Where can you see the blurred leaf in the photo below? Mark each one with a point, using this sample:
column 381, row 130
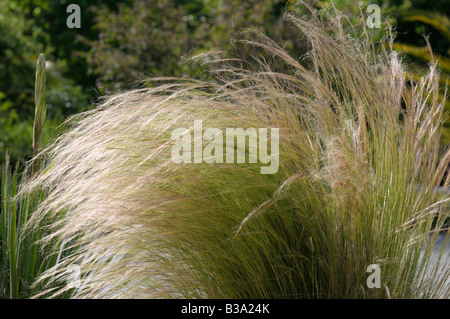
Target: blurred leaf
column 438, row 21
column 423, row 54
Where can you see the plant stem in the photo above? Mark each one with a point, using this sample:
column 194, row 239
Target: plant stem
column 40, row 110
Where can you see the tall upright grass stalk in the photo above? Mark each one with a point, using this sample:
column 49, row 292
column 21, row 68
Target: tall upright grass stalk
column 357, row 184
column 22, row 261
column 40, row 109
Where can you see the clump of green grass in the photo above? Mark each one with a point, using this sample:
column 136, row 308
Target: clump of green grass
column 22, row 262
column 360, row 168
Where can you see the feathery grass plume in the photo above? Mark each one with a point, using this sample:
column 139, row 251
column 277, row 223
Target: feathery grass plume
column 358, row 178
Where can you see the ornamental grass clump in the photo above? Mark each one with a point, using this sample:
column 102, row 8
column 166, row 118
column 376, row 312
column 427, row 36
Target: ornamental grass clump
column 357, row 183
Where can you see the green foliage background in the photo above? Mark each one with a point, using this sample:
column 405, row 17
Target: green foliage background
column 120, row 43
